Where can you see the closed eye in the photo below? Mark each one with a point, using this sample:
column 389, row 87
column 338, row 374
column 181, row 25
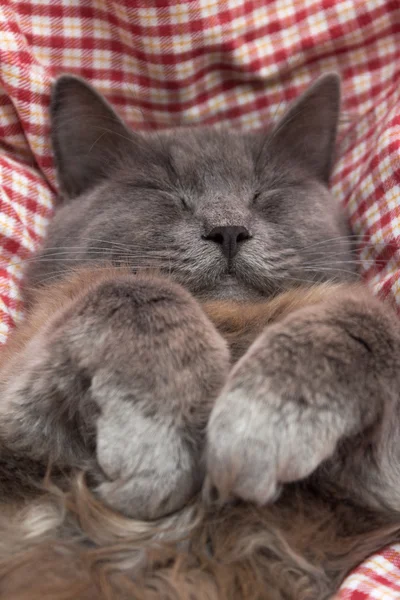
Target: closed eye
column 154, row 186
column 272, row 194
column 147, row 185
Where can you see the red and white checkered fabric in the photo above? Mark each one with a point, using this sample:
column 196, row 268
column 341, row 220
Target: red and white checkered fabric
column 170, row 62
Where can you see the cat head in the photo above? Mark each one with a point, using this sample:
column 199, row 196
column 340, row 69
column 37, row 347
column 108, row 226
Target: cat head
column 225, row 213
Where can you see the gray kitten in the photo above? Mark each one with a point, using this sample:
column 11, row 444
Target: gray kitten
column 128, row 368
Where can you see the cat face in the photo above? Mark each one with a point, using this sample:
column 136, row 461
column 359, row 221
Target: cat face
column 226, row 214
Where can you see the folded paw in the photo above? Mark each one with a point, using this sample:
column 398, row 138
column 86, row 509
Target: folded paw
column 304, row 385
column 121, row 381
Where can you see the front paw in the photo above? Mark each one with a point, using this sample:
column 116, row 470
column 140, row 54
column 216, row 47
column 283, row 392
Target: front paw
column 305, row 384
column 121, row 382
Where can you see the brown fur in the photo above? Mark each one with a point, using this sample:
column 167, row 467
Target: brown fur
column 48, row 300
column 241, row 322
column 65, row 545
column 256, row 553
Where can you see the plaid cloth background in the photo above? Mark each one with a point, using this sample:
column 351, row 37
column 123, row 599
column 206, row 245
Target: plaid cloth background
column 165, row 63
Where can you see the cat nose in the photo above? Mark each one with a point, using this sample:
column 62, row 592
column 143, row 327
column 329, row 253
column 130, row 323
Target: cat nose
column 229, row 237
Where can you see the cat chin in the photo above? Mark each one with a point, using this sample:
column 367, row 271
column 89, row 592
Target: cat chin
column 230, row 288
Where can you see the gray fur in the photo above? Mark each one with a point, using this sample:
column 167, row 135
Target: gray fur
column 127, row 373
column 121, row 382
column 301, row 396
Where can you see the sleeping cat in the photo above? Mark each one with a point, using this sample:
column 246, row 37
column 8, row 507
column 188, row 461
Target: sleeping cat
column 209, row 395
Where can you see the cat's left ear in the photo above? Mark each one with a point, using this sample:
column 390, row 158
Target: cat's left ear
column 307, row 132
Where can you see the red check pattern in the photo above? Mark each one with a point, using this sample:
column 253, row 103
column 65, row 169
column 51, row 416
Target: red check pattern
column 166, row 63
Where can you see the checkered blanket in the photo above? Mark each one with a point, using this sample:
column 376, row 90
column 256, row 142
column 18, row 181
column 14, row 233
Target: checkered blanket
column 171, row 62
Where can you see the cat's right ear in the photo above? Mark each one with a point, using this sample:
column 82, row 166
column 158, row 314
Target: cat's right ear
column 88, row 137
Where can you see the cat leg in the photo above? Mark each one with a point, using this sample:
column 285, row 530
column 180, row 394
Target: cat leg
column 119, row 381
column 323, row 377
